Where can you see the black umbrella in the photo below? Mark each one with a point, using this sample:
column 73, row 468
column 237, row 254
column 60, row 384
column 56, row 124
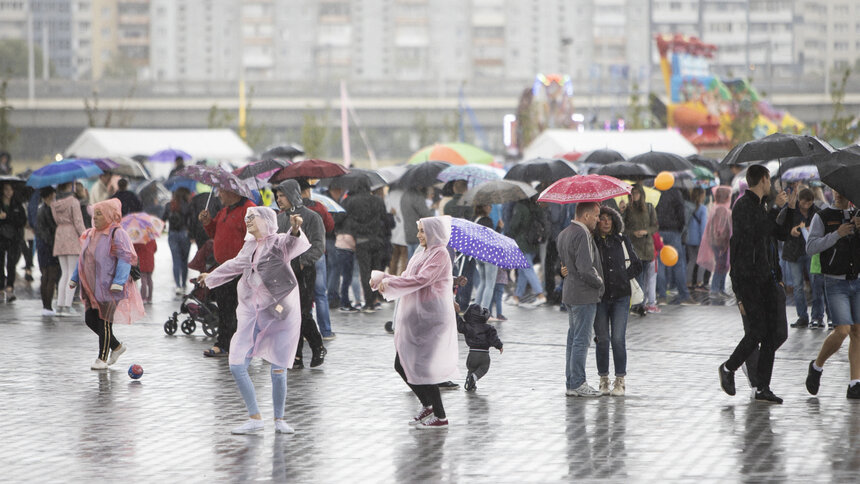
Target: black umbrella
column 662, row 161
column 775, row 147
column 546, row 170
column 283, row 151
column 704, row 162
column 422, row 175
column 259, row 167
column 354, row 177
column 602, row 157
column 626, row 170
column 840, row 171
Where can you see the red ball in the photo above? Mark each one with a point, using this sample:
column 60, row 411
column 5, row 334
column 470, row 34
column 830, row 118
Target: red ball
column 135, row 371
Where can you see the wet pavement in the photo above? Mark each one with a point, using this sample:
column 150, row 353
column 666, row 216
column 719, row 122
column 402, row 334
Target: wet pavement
column 64, row 422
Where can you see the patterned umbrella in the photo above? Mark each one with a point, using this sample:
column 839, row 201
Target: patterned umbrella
column 328, row 203
column 169, row 155
column 215, row 177
column 584, row 188
column 485, row 244
column 142, row 227
column 473, row 174
column 63, row 171
column 801, row 173
column 453, row 153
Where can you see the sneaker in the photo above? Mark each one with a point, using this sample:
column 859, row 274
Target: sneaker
column 67, row 312
column 470, row 385
column 115, row 354
column 538, row 301
column 433, row 423
column 604, row 385
column 653, row 309
column 686, row 302
column 448, row 385
column 584, row 390
column 28, row 276
column 348, row 309
column 329, row 337
column 800, row 323
column 99, row 365
column 282, row 427
column 368, row 309
column 48, row 312
column 813, row 379
column 767, row 396
column 492, row 319
column 10, row 297
column 252, row 426
column 501, row 318
column 618, row 387
column 298, row 364
column 727, row 380
column 853, row 392
column 816, row 323
column 389, row 327
column 319, row 358
column 424, row 414
column 179, row 291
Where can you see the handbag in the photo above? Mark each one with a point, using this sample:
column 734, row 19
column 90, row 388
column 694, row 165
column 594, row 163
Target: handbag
column 636, row 294
column 134, row 273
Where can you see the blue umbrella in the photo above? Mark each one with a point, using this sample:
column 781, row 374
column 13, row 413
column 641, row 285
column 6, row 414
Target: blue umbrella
column 63, row 171
column 486, row 245
column 169, row 155
column 328, row 203
column 473, row 174
column 175, row 182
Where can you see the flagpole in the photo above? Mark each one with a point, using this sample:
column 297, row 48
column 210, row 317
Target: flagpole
column 344, row 125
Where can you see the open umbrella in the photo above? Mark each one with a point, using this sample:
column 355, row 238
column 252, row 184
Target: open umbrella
column 569, row 156
column 801, row 173
column 626, row 170
column 142, row 227
column 775, row 147
column 353, row 178
column 169, row 154
column 544, row 170
column 257, row 168
column 125, row 166
column 309, row 169
column 422, row 175
column 486, row 245
column 175, row 182
column 840, row 171
column 215, row 177
column 584, row 188
column 602, row 157
column 287, row 152
column 454, row 153
column 662, row 161
column 473, row 174
column 391, row 174
column 705, row 162
column 498, row 191
column 62, row 171
column 327, row 202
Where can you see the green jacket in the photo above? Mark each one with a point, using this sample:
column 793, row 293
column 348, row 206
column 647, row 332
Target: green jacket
column 635, row 221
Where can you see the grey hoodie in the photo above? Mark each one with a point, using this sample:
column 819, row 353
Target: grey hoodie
column 312, row 224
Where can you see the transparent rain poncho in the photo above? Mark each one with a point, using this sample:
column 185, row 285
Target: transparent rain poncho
column 714, row 249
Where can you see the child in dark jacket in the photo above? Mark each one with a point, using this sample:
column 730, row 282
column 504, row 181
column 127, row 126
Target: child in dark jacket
column 479, row 337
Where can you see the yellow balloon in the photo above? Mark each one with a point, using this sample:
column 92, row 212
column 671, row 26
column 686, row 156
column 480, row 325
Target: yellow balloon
column 668, row 255
column 664, row 181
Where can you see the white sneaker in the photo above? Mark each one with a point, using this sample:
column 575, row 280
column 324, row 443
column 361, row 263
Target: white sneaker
column 618, row 387
column 48, row 312
column 179, row 291
column 115, row 354
column 604, row 385
column 61, row 311
column 282, row 427
column 99, row 365
column 584, row 390
column 252, row 426
column 539, row 301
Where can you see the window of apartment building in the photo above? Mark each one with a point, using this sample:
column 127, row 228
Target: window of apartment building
column 105, row 31
column 840, row 46
column 83, row 27
column 840, row 27
column 105, row 11
column 334, row 8
column 675, row 6
column 720, row 27
column 840, row 9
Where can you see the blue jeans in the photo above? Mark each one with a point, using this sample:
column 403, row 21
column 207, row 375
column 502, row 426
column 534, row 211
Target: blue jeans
column 843, row 297
column 410, row 249
column 677, row 274
column 345, row 264
column 180, row 245
column 332, row 272
column 498, row 291
column 246, row 388
column 610, row 326
column 798, row 269
column 580, row 319
column 528, row 276
column 321, row 298
column 484, row 294
column 718, row 282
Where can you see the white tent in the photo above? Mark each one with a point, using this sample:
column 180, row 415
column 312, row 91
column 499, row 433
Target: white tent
column 629, row 143
column 217, row 144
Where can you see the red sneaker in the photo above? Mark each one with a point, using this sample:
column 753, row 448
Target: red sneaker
column 433, row 423
column 422, row 416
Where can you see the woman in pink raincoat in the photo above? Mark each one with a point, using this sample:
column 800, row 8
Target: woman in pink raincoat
column 269, row 314
column 714, row 249
column 108, row 293
column 425, row 334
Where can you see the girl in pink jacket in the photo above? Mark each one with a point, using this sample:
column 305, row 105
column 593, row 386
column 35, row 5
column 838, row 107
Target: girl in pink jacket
column 66, row 210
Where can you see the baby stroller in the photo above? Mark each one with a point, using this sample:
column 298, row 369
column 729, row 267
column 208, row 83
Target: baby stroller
column 196, row 304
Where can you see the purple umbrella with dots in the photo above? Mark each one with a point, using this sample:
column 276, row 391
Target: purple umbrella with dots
column 486, row 245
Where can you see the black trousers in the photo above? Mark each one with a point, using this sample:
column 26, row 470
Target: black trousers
column 478, row 363
column 306, row 278
column 27, row 251
column 228, row 300
column 104, row 330
column 551, row 267
column 429, row 395
column 368, row 254
column 765, row 329
column 10, row 252
column 50, row 277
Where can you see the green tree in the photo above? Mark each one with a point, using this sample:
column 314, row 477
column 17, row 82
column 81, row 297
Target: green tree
column 8, row 134
column 314, row 134
column 13, row 59
column 842, row 128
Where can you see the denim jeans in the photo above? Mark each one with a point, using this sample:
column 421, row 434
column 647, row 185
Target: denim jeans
column 580, row 320
column 345, row 264
column 610, row 326
column 246, row 388
column 180, row 245
column 843, row 297
column 410, row 249
column 498, row 292
column 677, row 274
column 718, row 282
column 321, row 298
column 332, row 271
column 645, row 278
column 798, row 269
column 528, row 276
column 484, row 294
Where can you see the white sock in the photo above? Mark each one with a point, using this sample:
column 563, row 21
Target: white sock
column 853, row 382
column 819, row 368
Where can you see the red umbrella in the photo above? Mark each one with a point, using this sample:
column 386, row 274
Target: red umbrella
column 584, row 188
column 569, row 156
column 309, row 169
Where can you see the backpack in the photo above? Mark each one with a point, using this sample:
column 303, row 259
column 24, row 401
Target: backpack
column 537, row 231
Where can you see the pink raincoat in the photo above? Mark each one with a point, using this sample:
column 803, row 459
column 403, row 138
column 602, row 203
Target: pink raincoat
column 714, row 249
column 70, row 226
column 97, row 266
column 425, row 334
column 267, row 327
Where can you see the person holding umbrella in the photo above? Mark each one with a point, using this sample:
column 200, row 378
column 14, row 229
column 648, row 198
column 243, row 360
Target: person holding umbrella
column 66, row 211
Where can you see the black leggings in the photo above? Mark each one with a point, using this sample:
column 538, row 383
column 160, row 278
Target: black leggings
column 478, row 363
column 306, row 278
column 50, row 277
column 104, row 329
column 428, row 394
column 9, row 255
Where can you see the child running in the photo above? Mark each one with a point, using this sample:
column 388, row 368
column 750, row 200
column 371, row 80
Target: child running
column 479, row 336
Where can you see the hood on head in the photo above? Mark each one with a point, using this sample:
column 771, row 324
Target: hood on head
column 722, row 195
column 437, row 230
column 617, row 221
column 110, row 208
column 267, row 221
column 476, row 314
column 290, row 188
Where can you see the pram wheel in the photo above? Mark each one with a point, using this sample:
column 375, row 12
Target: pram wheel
column 209, row 329
column 188, row 326
column 170, row 327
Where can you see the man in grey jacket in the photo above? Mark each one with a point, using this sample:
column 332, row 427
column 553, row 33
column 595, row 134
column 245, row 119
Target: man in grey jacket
column 289, row 198
column 413, row 207
column 582, row 289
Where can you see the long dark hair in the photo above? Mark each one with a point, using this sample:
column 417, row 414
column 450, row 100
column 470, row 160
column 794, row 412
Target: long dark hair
column 180, row 198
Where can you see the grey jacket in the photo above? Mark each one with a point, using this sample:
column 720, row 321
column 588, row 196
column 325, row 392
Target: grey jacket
column 312, row 224
column 578, row 252
column 413, row 207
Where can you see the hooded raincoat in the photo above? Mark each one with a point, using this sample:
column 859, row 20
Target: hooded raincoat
column 269, row 314
column 425, row 335
column 714, row 249
column 106, row 258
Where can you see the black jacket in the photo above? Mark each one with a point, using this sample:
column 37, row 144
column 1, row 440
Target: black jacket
column 753, row 245
column 616, row 274
column 130, row 202
column 794, row 247
column 478, row 334
column 670, row 211
column 365, row 214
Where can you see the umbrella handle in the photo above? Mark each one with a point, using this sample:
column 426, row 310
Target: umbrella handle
column 207, row 200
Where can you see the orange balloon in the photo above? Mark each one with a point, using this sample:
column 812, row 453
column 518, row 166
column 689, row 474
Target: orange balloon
column 664, row 181
column 668, row 255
